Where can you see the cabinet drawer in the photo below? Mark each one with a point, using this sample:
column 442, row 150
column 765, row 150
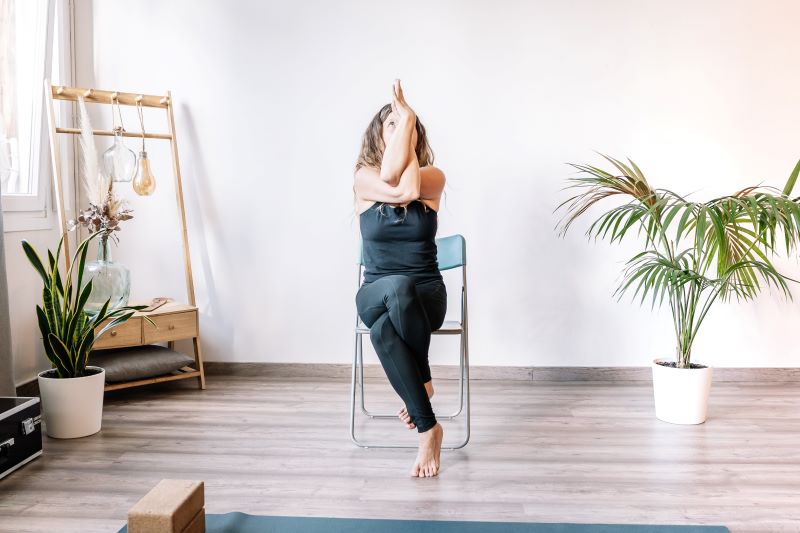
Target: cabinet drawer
column 125, row 334
column 172, row 326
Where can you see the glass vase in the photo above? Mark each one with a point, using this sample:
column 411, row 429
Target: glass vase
column 119, row 161
column 110, row 280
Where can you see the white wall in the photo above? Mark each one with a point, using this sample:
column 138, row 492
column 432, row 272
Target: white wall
column 272, row 99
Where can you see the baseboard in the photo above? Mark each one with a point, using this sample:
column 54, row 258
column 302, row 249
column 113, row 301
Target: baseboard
column 509, row 373
column 29, row 389
column 516, row 373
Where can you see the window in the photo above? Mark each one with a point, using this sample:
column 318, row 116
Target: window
column 26, row 59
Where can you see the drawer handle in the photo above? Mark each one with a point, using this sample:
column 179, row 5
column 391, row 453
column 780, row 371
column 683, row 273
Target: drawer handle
column 113, row 333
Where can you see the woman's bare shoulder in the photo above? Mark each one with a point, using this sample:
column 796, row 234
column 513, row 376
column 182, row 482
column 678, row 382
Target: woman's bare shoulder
column 432, row 170
column 431, row 185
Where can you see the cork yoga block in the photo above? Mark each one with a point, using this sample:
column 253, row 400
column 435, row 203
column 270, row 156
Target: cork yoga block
column 198, row 523
column 172, row 506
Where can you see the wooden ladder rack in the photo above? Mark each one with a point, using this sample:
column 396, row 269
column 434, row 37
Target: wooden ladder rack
column 60, row 92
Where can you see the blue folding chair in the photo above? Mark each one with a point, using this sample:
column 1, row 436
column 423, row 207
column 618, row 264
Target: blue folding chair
column 451, row 253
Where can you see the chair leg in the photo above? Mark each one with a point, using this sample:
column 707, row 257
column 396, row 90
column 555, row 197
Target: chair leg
column 353, row 394
column 461, row 360
column 465, row 377
column 358, row 380
column 360, row 360
column 443, row 417
column 358, row 370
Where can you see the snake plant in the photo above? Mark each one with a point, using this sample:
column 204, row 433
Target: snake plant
column 695, row 253
column 68, row 332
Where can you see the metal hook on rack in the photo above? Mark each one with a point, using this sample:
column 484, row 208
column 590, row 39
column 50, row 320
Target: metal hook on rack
column 115, row 100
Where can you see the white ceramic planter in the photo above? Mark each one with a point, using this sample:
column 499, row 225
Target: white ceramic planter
column 72, row 407
column 681, row 394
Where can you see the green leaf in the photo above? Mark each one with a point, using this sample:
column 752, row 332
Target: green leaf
column 81, row 253
column 33, row 257
column 787, row 189
column 78, row 315
column 62, row 355
column 50, row 303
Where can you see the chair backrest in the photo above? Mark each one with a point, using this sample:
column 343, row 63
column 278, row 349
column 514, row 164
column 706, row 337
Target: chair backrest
column 451, row 252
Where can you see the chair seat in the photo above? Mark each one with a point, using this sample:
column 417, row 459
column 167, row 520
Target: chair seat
column 449, row 327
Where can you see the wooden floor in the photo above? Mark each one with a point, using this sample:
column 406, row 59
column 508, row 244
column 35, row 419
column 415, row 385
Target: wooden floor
column 589, row 452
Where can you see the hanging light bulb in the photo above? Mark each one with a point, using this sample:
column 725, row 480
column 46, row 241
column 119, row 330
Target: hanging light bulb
column 144, row 183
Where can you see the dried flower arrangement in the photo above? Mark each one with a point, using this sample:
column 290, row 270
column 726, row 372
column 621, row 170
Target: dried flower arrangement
column 105, row 211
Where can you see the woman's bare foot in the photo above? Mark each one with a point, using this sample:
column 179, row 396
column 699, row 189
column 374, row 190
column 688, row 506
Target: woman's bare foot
column 430, row 448
column 403, row 413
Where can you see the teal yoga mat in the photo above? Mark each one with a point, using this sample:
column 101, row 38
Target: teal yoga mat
column 245, row 523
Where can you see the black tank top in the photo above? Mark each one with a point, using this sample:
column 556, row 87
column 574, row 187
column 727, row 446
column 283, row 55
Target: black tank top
column 400, row 240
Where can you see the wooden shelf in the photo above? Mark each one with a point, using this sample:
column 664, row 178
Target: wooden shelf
column 173, row 321
column 180, row 374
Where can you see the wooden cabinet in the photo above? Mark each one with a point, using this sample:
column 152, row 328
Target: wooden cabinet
column 173, row 321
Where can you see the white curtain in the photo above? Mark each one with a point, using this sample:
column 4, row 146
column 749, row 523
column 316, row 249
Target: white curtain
column 8, row 98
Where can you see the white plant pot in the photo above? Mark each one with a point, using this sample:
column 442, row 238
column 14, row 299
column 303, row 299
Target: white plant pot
column 681, row 394
column 72, row 407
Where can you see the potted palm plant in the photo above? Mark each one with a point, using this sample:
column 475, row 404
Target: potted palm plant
column 695, row 254
column 71, row 392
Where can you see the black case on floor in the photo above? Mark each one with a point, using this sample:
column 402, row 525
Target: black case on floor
column 20, row 432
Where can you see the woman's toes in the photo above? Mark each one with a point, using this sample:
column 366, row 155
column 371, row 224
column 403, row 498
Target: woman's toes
column 406, row 418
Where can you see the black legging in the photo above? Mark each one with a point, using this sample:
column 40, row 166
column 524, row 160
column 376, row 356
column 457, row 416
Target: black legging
column 401, row 315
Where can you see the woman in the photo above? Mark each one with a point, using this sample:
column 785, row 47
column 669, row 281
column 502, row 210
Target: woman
column 403, row 297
